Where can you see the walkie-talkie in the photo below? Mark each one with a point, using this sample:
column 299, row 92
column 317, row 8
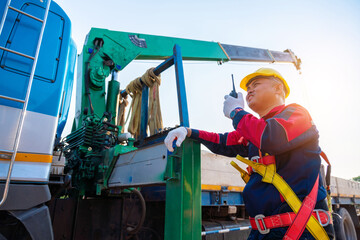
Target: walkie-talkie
column 233, row 93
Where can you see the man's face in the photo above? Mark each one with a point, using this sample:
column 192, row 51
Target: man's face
column 261, row 93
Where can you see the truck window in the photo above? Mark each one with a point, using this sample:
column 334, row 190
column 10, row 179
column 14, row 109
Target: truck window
column 23, row 38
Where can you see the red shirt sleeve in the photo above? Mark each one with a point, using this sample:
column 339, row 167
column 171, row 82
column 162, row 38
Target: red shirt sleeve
column 228, row 144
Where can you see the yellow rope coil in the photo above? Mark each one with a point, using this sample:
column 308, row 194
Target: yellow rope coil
column 154, row 119
column 123, row 103
column 134, row 89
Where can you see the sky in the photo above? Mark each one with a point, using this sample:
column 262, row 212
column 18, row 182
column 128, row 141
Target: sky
column 324, row 34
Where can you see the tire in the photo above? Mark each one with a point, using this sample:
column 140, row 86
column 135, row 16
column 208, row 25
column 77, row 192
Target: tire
column 346, row 229
column 339, row 229
column 11, row 228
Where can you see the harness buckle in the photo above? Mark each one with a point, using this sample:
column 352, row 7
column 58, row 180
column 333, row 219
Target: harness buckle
column 319, row 219
column 261, row 218
column 255, row 159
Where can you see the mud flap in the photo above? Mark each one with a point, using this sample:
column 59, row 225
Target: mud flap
column 36, row 221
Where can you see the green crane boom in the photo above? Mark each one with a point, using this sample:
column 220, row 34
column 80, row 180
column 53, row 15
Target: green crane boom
column 105, row 51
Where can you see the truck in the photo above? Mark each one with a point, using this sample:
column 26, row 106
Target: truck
column 100, row 182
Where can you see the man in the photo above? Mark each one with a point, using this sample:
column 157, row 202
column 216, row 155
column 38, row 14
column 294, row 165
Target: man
column 284, row 136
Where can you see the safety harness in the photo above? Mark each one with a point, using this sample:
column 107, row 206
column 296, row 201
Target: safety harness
column 303, row 214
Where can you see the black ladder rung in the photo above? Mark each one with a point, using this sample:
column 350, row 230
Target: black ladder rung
column 26, row 14
column 18, row 53
column 12, row 99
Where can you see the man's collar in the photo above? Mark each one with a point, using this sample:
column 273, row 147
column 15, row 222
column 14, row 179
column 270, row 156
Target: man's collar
column 274, row 111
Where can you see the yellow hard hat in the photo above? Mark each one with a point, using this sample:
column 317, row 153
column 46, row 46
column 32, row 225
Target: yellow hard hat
column 265, row 72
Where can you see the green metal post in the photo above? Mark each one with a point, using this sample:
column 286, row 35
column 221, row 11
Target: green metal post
column 183, row 193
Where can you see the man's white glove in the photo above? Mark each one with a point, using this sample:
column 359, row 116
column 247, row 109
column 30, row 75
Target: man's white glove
column 179, row 134
column 231, row 103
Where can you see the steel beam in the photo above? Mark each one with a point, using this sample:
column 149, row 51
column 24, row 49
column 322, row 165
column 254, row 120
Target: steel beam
column 180, row 85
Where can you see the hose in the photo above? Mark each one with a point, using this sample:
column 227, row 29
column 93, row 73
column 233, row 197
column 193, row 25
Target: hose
column 134, row 230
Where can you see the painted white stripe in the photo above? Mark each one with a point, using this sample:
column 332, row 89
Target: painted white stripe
column 38, row 133
column 225, row 230
column 26, row 171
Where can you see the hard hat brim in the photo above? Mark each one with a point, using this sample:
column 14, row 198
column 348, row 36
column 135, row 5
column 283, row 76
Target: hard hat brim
column 246, row 80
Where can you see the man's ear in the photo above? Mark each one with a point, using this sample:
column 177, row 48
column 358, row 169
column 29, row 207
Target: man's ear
column 278, row 87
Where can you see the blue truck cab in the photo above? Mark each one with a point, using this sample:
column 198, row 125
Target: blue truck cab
column 49, row 99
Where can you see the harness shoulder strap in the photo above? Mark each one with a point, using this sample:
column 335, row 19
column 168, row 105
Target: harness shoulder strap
column 302, row 217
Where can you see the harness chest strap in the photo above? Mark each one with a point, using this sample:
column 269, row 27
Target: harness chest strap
column 270, row 176
column 266, row 160
column 245, row 175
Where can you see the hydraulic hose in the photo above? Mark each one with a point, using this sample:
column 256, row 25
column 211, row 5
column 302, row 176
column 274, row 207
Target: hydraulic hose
column 135, row 230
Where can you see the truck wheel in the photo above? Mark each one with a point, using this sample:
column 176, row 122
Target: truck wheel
column 11, row 228
column 346, row 229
